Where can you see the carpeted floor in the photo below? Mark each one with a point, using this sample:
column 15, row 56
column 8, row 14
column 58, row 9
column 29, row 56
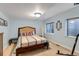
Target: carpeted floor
column 50, row 52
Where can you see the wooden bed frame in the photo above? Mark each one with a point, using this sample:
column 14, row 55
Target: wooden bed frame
column 28, row 29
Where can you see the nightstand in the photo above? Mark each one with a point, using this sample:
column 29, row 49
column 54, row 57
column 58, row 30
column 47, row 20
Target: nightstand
column 13, row 40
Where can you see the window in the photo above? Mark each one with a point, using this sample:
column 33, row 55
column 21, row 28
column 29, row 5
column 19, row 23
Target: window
column 73, row 27
column 49, row 28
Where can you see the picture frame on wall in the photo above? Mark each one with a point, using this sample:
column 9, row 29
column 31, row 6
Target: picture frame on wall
column 3, row 22
column 58, row 25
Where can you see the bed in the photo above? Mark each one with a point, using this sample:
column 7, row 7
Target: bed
column 28, row 40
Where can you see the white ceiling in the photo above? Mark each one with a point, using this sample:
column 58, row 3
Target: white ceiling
column 23, row 10
column 56, row 10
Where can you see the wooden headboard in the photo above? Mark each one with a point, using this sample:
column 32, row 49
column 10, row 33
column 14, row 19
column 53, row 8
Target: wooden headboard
column 26, row 30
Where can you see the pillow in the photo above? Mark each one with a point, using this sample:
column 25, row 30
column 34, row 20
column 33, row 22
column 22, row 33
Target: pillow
column 23, row 34
column 26, row 33
column 29, row 34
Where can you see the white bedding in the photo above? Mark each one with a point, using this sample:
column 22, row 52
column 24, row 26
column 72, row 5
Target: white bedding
column 30, row 40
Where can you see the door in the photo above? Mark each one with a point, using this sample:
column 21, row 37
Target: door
column 1, row 44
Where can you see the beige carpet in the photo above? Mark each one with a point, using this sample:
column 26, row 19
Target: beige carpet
column 8, row 50
column 50, row 52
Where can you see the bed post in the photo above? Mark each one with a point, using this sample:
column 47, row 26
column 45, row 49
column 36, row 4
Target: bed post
column 47, row 45
column 18, row 32
column 35, row 31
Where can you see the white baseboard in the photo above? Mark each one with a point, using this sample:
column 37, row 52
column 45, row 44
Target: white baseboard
column 70, row 49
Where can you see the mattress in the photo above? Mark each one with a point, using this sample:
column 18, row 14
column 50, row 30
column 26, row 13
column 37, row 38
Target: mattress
column 25, row 41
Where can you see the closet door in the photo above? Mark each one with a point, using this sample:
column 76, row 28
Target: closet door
column 1, row 44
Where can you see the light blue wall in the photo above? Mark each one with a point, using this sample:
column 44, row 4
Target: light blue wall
column 4, row 30
column 15, row 24
column 11, row 31
column 60, row 37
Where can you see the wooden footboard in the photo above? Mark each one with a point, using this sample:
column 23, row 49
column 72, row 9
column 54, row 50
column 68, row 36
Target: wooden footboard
column 31, row 48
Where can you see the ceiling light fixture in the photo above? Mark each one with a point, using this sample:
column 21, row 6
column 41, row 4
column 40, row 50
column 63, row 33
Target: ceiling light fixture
column 37, row 14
